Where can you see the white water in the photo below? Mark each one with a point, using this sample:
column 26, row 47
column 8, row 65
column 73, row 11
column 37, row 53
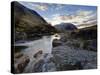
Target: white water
column 44, row 44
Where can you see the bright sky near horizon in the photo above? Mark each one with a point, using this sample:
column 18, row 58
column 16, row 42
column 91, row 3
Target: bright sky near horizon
column 64, row 13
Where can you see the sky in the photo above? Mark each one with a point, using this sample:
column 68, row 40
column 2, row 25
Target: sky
column 78, row 15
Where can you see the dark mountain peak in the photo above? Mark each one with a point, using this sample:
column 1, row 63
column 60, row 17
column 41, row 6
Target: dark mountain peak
column 66, row 26
column 69, row 26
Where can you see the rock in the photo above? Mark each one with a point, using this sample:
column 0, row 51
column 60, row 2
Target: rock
column 56, row 43
column 38, row 53
column 76, row 66
column 23, row 62
column 18, row 55
column 52, row 59
column 48, row 67
column 45, row 55
column 66, row 67
column 90, row 66
column 67, row 58
column 44, row 65
column 38, row 66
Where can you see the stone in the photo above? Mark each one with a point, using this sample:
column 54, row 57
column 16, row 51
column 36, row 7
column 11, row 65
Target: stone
column 23, row 62
column 38, row 53
column 38, row 66
column 18, row 55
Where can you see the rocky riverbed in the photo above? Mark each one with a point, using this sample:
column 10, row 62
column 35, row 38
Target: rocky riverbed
column 63, row 58
column 67, row 54
column 71, row 58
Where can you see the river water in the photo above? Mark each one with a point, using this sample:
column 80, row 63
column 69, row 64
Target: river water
column 43, row 45
column 64, row 54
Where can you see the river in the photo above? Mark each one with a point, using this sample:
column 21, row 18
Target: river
column 42, row 48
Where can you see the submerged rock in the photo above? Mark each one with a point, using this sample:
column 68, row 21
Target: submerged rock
column 18, row 55
column 38, row 66
column 21, row 64
column 38, row 54
column 44, row 65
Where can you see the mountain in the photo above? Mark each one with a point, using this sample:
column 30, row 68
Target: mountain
column 28, row 23
column 66, row 27
column 87, row 33
column 23, row 14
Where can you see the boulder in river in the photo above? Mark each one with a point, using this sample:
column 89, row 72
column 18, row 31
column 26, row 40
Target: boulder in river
column 38, row 54
column 23, row 62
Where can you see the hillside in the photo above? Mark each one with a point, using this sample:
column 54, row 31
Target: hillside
column 29, row 24
column 86, row 33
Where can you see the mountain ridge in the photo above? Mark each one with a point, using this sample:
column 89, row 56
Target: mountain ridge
column 29, row 24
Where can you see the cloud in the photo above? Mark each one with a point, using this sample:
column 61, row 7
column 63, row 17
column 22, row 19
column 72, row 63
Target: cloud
column 39, row 6
column 83, row 13
column 58, row 7
column 80, row 17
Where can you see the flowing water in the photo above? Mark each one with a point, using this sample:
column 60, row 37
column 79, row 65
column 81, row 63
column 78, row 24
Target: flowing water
column 42, row 48
column 43, row 45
